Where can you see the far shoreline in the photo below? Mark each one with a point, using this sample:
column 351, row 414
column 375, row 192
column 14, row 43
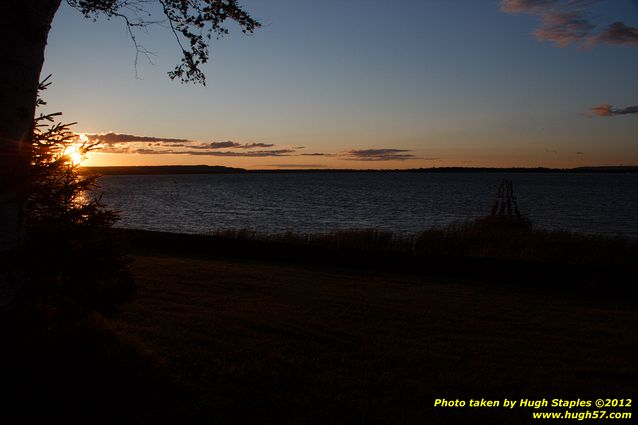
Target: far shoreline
column 216, row 169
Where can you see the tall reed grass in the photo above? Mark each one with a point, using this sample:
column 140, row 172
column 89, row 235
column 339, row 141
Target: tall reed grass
column 489, row 237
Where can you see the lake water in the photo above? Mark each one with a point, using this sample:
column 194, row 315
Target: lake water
column 400, row 202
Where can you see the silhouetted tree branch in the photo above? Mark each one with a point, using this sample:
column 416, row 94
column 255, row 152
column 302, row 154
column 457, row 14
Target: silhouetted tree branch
column 193, row 23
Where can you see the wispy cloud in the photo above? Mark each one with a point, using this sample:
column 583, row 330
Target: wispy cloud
column 114, row 149
column 525, row 6
column 234, row 145
column 251, row 154
column 563, row 29
column 258, row 145
column 568, row 22
column 607, row 110
column 296, row 165
column 117, row 143
column 378, row 155
column 220, row 145
column 617, row 33
column 112, row 138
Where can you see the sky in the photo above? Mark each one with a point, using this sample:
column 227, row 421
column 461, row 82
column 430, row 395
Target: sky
column 362, row 84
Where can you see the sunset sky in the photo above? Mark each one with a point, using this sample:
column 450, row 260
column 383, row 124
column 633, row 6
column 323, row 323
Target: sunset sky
column 364, row 84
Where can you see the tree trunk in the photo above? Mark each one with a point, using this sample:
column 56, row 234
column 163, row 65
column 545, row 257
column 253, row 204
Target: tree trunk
column 24, row 27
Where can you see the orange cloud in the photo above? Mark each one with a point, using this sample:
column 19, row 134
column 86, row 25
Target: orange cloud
column 566, row 22
column 378, row 155
column 606, row 110
column 563, row 29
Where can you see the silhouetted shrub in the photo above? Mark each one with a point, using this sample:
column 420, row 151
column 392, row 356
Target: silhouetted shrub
column 492, row 237
column 74, row 265
column 486, row 237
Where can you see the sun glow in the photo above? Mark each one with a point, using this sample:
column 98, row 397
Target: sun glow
column 76, row 152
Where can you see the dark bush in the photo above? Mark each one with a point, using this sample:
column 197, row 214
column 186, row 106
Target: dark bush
column 74, row 265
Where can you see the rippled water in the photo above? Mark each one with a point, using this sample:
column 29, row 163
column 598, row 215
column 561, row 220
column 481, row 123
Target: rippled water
column 400, row 202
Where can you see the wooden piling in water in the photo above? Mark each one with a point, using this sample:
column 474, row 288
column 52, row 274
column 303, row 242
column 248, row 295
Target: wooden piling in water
column 505, row 205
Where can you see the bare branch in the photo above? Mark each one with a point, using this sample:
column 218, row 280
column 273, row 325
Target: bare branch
column 192, row 22
column 139, row 49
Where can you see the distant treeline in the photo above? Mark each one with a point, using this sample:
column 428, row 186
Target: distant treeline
column 162, row 169
column 218, row 169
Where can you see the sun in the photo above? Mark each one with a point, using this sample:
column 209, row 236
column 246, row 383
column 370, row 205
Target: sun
column 76, row 152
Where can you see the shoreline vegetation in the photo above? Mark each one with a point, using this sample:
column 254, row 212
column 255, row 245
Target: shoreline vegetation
column 217, row 169
column 353, row 326
column 488, row 250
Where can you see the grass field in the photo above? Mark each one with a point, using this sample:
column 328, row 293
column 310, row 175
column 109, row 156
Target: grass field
column 232, row 340
column 262, row 343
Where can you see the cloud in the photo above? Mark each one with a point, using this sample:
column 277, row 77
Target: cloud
column 116, row 143
column 233, row 145
column 112, row 138
column 567, row 22
column 113, row 149
column 563, row 29
column 219, row 145
column 606, row 110
column 208, row 150
column 603, row 110
column 617, row 33
column 378, row 155
column 251, row 154
column 257, row 145
column 296, row 165
column 525, row 6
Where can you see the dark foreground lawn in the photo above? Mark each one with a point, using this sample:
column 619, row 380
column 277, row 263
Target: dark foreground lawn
column 243, row 341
